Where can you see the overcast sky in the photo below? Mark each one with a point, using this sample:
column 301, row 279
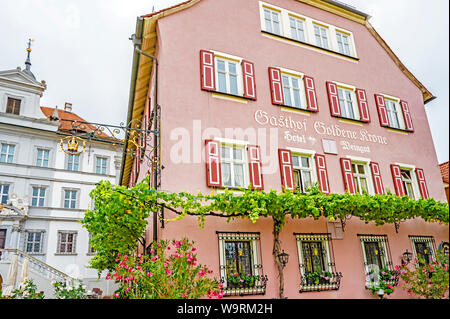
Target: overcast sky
column 82, row 50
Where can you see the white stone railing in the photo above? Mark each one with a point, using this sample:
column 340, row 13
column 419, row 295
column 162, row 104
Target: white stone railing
column 34, row 265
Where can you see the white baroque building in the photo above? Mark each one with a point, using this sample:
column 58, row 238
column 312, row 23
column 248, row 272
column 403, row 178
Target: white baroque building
column 43, row 191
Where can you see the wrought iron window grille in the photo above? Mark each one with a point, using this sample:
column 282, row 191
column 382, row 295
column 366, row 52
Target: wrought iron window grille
column 257, row 283
column 374, row 274
column 320, row 247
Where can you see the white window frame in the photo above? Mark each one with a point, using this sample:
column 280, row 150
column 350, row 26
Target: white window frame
column 415, row 183
column 395, row 102
column 384, row 259
column 295, row 19
column 106, row 159
column 254, row 240
column 347, row 36
column 325, row 240
column 311, row 169
column 301, row 88
column 354, row 101
column 38, row 197
column 74, row 246
column 8, row 152
column 76, row 200
column 322, row 28
column 34, row 242
column 227, row 59
column 2, row 192
column 367, row 172
column 271, row 10
column 309, row 23
column 40, row 161
column 68, row 162
column 244, row 161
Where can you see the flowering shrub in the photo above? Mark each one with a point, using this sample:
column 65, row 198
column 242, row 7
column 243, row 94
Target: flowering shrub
column 387, row 279
column 74, row 290
column 27, row 290
column 430, row 281
column 319, row 277
column 242, row 280
column 169, row 272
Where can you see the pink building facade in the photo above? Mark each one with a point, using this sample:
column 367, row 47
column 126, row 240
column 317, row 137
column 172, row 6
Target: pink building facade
column 285, row 94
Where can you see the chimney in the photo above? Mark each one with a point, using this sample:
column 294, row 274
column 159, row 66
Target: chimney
column 68, row 107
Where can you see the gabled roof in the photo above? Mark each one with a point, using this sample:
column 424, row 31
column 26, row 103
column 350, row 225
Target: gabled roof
column 143, row 66
column 444, row 171
column 21, row 77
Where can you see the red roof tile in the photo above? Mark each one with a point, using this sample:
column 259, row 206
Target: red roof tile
column 444, row 171
column 66, row 126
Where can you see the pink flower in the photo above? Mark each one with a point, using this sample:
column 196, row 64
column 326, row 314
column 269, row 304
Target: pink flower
column 149, row 274
column 183, row 295
column 116, row 295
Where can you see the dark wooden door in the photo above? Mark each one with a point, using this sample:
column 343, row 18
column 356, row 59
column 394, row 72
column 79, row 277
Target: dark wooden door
column 2, row 238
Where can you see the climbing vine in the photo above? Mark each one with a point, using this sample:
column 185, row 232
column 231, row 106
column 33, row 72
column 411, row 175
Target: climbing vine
column 119, row 217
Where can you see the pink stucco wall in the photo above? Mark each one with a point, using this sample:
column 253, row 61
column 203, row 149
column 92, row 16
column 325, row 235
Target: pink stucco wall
column 233, row 27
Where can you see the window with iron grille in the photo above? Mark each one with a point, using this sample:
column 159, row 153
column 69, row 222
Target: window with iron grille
column 423, row 248
column 316, row 261
column 377, row 257
column 13, row 106
column 66, row 242
column 240, row 267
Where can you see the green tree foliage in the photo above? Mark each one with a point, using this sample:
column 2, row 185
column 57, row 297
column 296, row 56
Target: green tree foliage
column 427, row 280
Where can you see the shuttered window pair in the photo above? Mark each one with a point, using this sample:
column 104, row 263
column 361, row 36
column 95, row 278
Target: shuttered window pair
column 227, row 166
column 288, row 173
column 223, row 76
column 353, row 184
column 394, row 114
column 347, row 103
column 286, row 97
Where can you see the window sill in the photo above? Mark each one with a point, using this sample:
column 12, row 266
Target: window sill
column 311, row 45
column 350, row 120
column 244, row 291
column 320, row 287
column 66, row 254
column 296, row 109
column 398, row 130
column 230, row 96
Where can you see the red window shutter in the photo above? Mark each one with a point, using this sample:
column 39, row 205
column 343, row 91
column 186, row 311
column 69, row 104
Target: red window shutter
column 407, row 116
column 398, row 180
column 255, row 167
column 422, row 183
column 376, row 176
column 276, row 86
column 382, row 111
column 286, row 169
column 311, row 98
column 207, row 71
column 213, row 167
column 322, row 174
column 347, row 174
column 248, row 70
column 361, row 96
column 333, row 99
